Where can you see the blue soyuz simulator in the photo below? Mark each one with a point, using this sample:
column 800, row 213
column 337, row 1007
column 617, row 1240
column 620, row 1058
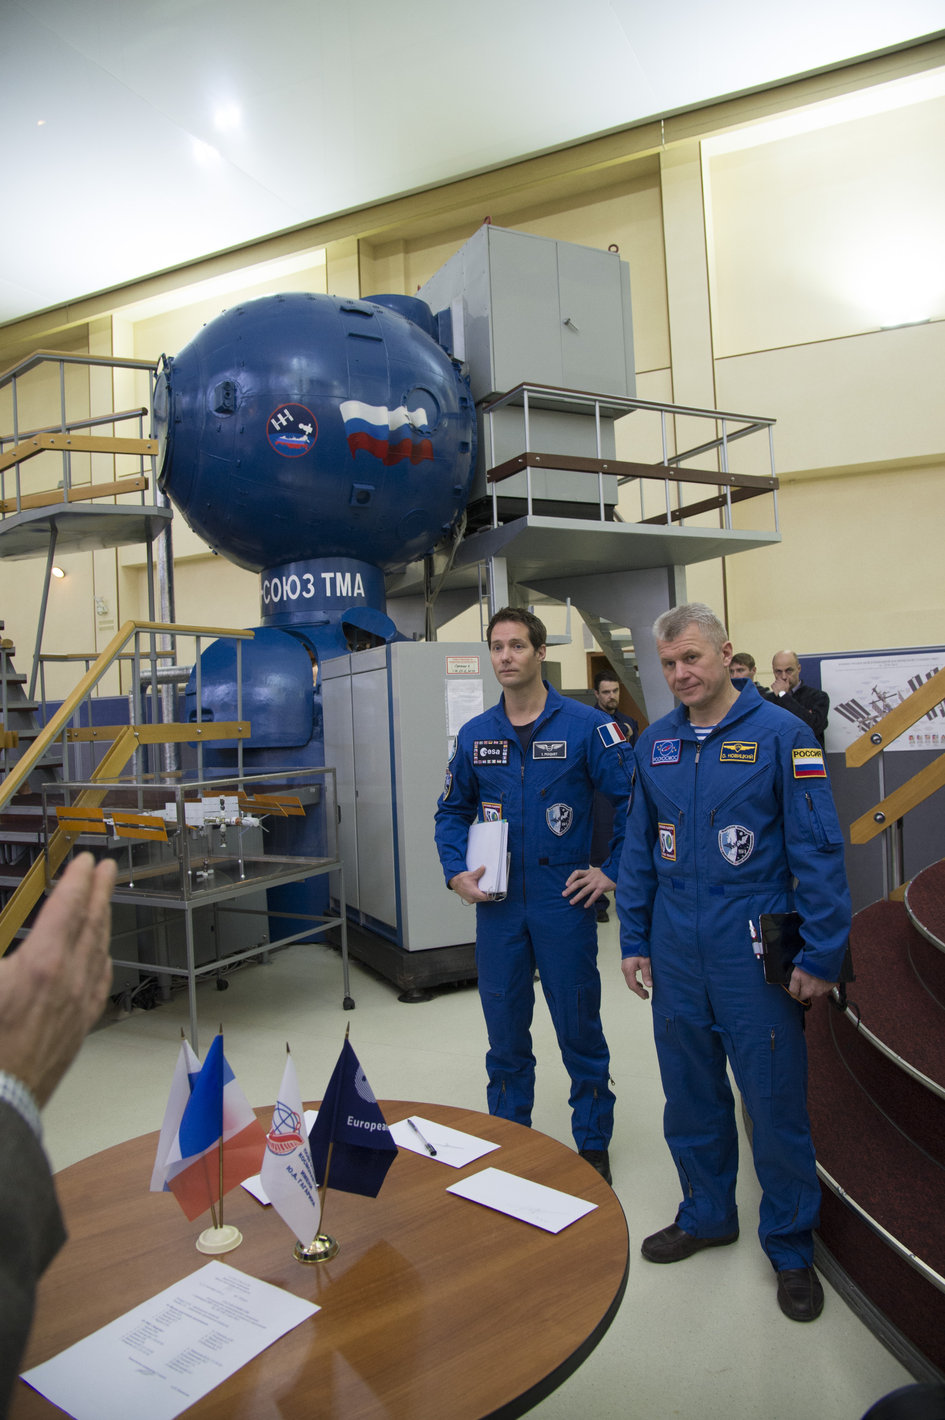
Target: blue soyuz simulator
column 320, row 442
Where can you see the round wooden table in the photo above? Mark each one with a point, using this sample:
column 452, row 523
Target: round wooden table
column 435, row 1308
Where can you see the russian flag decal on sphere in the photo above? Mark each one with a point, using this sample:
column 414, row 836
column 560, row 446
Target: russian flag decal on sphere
column 390, row 435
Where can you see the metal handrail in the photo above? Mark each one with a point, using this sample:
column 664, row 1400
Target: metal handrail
column 58, row 722
column 534, row 396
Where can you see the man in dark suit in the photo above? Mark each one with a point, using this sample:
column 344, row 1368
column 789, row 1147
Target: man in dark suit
column 804, row 701
column 53, row 988
column 607, row 698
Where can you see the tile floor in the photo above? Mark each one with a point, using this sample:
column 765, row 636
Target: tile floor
column 702, row 1339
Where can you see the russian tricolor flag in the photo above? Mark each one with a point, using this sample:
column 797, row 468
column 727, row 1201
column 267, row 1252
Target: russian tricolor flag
column 216, row 1112
column 390, row 435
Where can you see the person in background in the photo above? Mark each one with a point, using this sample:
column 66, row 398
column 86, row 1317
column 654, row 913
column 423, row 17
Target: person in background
column 607, row 698
column 53, row 989
column 805, row 701
column 742, row 667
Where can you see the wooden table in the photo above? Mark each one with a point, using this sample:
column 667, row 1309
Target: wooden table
column 435, row 1308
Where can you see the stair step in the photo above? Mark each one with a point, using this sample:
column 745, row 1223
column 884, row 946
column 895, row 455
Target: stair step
column 925, row 903
column 891, row 1179
column 893, row 1001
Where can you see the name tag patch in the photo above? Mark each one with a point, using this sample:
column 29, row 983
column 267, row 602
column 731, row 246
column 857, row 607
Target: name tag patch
column 809, row 764
column 559, row 818
column 736, row 844
column 665, row 752
column 667, row 832
column 490, row 752
column 549, row 749
column 738, row 752
column 611, row 734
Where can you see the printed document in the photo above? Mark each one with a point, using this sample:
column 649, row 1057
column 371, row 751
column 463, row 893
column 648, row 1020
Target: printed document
column 158, row 1359
column 488, row 843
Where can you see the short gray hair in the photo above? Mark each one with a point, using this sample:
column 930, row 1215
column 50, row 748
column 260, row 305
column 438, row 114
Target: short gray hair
column 673, row 623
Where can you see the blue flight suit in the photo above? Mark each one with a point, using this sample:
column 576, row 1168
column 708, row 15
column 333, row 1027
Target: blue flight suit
column 717, row 834
column 547, row 795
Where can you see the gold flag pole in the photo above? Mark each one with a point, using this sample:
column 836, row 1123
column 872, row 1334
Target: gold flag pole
column 323, row 1246
column 219, row 1238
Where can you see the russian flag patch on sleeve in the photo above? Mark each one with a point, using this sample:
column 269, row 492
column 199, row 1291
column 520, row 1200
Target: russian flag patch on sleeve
column 809, row 764
column 611, row 734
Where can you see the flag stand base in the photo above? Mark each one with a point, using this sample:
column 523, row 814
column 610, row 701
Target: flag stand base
column 217, row 1240
column 320, row 1249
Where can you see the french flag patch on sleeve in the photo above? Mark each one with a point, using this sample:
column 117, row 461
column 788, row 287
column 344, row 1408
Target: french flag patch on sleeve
column 611, row 734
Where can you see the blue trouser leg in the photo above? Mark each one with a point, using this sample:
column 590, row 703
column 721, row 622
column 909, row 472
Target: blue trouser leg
column 506, row 967
column 561, row 940
column 566, row 951
column 711, row 1001
column 769, row 1062
column 698, row 1122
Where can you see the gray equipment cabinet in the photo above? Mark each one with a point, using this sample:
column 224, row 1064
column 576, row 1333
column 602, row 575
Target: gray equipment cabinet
column 524, row 308
column 389, row 716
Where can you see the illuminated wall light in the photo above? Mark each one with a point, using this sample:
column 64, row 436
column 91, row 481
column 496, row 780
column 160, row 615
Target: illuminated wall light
column 58, row 572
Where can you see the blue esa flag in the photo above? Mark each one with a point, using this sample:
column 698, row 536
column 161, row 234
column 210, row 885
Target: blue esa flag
column 350, row 1119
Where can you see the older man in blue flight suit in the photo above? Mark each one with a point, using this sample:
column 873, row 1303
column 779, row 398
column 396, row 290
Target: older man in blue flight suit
column 535, row 759
column 732, row 817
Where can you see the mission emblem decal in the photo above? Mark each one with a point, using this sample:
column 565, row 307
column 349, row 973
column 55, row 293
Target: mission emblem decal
column 559, row 818
column 736, row 843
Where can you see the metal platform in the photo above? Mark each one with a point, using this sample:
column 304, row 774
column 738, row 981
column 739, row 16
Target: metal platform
column 78, row 527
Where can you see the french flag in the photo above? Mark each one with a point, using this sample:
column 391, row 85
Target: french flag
column 387, row 434
column 217, row 1115
column 611, row 734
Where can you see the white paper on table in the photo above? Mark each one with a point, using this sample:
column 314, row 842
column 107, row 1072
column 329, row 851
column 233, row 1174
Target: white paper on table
column 452, row 1146
column 253, row 1184
column 532, row 1202
column 161, row 1357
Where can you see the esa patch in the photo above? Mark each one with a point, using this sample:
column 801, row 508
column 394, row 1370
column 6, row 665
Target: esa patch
column 736, row 844
column 665, row 752
column 738, row 752
column 809, row 764
column 549, row 749
column 667, row 832
column 491, row 813
column 448, row 785
column 559, row 818
column 487, row 752
column 611, row 734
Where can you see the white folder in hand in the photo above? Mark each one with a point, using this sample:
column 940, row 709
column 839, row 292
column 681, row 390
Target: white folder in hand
column 489, row 843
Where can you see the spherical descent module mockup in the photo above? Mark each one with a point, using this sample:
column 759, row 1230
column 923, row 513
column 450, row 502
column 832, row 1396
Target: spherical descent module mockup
column 304, row 425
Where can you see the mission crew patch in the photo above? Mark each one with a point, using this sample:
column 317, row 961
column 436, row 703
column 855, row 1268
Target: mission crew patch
column 487, row 752
column 665, row 752
column 736, row 844
column 738, row 752
column 667, row 832
column 549, row 749
column 559, row 818
column 809, row 764
column 491, row 813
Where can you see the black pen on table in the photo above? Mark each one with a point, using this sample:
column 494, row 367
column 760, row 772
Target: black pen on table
column 425, row 1142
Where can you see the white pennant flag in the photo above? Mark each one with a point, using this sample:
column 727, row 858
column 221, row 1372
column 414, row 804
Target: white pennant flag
column 287, row 1174
column 185, row 1073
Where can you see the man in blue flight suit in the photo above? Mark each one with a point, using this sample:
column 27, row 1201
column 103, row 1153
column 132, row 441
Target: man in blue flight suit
column 732, row 817
column 535, row 759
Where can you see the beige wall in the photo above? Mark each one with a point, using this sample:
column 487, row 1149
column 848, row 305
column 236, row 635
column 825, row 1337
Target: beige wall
column 763, row 264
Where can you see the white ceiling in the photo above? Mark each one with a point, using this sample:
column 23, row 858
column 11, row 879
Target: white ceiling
column 137, row 136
